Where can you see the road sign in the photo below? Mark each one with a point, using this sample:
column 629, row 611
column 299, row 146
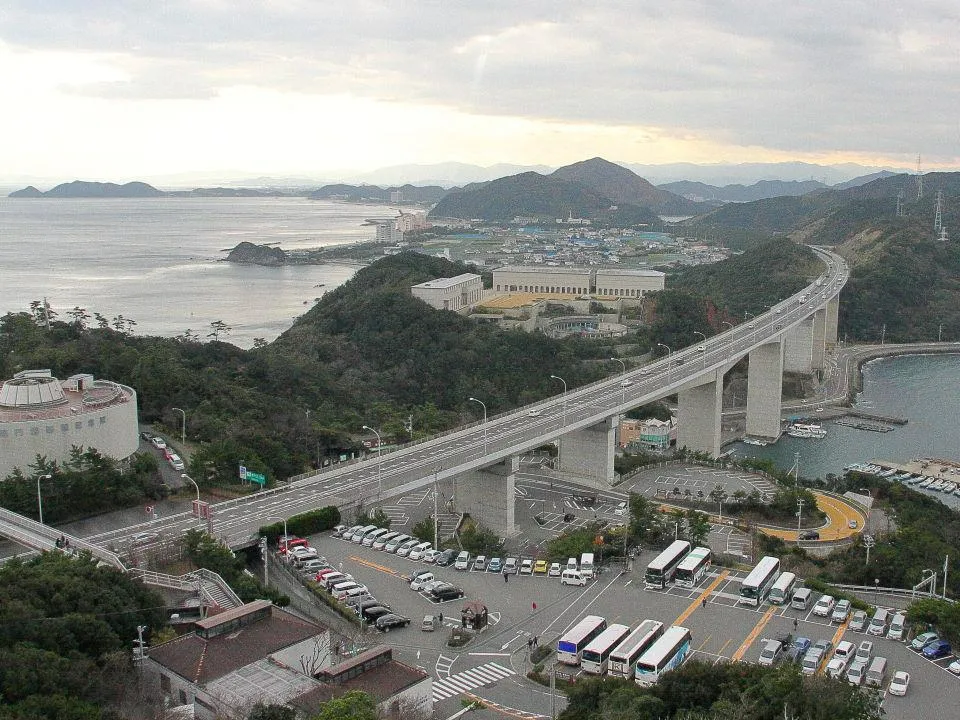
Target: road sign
column 243, row 473
column 253, row 477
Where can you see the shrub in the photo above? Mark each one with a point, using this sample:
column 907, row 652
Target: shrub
column 308, row 523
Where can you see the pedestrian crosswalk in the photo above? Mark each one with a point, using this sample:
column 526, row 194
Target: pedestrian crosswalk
column 480, row 676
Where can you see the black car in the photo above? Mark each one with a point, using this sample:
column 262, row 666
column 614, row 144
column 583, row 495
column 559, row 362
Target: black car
column 148, row 436
column 370, row 614
column 810, row 535
column 446, row 592
column 369, row 603
column 447, row 557
column 385, row 623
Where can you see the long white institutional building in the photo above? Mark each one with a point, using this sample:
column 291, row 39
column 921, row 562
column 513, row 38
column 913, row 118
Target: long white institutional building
column 453, row 293
column 552, row 280
column 40, row 415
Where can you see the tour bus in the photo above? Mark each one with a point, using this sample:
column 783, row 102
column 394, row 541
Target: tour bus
column 782, row 589
column 596, row 655
column 571, row 645
column 664, row 565
column 694, row 567
column 754, row 588
column 624, row 657
column 665, row 654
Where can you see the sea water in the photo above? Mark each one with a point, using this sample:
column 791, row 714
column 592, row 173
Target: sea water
column 158, row 261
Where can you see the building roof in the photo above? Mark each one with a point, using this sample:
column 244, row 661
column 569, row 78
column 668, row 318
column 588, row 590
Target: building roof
column 544, row 269
column 38, row 395
column 381, row 682
column 629, row 273
column 443, row 283
column 202, row 660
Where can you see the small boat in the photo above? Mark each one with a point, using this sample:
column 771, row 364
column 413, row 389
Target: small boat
column 926, row 483
column 754, row 441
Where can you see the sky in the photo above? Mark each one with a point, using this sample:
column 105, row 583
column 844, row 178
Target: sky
column 107, row 90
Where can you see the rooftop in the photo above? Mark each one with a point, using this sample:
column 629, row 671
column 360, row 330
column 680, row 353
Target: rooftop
column 630, row 273
column 544, row 269
column 38, row 395
column 441, row 283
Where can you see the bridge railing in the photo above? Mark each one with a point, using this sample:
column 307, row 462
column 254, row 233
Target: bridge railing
column 43, row 537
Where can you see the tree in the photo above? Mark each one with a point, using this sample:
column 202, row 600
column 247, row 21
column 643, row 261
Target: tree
column 272, row 712
column 352, row 705
column 80, row 317
column 423, row 530
column 218, row 328
column 698, row 527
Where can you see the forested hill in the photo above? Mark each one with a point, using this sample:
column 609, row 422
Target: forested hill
column 374, row 352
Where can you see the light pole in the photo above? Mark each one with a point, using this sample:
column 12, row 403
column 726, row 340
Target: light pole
column 563, row 425
column 197, row 488
column 868, row 542
column 729, row 325
column 669, row 362
column 183, row 425
column 40, row 497
column 876, row 591
column 436, row 510
column 799, row 517
column 484, row 405
column 379, row 476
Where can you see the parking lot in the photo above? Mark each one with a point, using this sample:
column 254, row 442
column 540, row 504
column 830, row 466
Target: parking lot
column 492, row 666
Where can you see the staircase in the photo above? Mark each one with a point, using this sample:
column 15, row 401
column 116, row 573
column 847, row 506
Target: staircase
column 447, row 524
column 215, row 594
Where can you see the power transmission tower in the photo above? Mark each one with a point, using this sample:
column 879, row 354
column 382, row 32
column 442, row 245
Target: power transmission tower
column 900, row 203
column 919, row 179
column 938, row 216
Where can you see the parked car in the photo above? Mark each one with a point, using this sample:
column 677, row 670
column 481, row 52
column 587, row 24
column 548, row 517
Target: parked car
column 429, row 623
column 463, row 561
column 814, row 657
column 146, row 435
column 480, row 564
column 554, row 570
column 897, row 626
column 922, row 640
column 142, row 538
column 954, row 667
column 381, row 542
column 810, row 535
column 312, row 567
column 444, row 593
column 841, row 611
column 495, row 565
column 540, row 567
column 837, row 666
column 392, row 545
column 937, row 649
column 404, row 550
column 338, row 530
column 899, row 683
column 419, row 574
column 510, row 566
column 418, row 551
column 430, row 556
column 159, row 443
column 175, row 462
column 526, row 566
column 824, row 606
column 858, row 623
column 371, row 614
column 447, row 557
column 864, row 652
column 366, row 604
column 417, row 584
column 852, row 524
column 386, row 623
column 771, row 653
column 621, row 509
column 798, row 649
column 856, row 673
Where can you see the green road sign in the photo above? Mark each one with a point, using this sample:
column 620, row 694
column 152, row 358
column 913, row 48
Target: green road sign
column 261, row 480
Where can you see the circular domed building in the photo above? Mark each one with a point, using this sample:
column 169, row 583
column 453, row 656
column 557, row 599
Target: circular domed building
column 40, row 415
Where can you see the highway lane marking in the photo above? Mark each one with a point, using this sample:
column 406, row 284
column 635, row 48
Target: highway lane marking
column 375, row 566
column 754, row 634
column 700, row 598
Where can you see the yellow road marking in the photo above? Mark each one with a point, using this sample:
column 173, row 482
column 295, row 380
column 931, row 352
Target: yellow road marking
column 381, row 568
column 724, row 647
column 693, row 606
column 837, row 636
column 757, row 629
column 704, row 643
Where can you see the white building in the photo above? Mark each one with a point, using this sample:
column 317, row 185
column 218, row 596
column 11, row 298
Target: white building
column 39, row 415
column 542, row 280
column 454, row 293
column 628, row 283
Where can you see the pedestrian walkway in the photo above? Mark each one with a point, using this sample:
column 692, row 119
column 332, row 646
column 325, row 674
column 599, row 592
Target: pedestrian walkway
column 480, row 676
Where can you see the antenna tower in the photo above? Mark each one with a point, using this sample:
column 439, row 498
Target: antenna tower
column 938, row 216
column 919, row 179
column 900, row 203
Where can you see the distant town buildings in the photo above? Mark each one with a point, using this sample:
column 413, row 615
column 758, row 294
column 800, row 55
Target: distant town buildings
column 40, row 415
column 453, row 293
column 392, row 231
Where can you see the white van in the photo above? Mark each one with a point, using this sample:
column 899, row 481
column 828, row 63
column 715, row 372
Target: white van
column 340, row 589
column 373, row 536
column 877, row 672
column 897, row 625
column 879, row 622
column 845, row 649
column 586, row 565
column 801, row 598
column 572, row 564
column 463, row 561
column 420, row 580
column 572, row 577
column 418, row 550
column 360, row 534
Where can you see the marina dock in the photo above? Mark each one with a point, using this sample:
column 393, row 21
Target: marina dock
column 864, row 425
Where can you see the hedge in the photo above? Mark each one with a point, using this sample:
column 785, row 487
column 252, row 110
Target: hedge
column 821, row 587
column 308, row 523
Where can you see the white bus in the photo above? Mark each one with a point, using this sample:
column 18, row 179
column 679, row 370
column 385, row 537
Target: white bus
column 597, row 654
column 664, row 565
column 571, row 645
column 624, row 657
column 665, row 654
column 756, row 585
column 782, row 589
column 694, row 566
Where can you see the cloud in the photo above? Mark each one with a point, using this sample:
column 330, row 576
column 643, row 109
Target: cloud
column 864, row 77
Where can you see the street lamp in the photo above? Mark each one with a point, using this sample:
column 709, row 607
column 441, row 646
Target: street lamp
column 197, row 488
column 729, row 325
column 484, row 405
column 39, row 497
column 183, row 426
column 379, row 476
column 563, row 425
column 669, row 353
column 436, row 510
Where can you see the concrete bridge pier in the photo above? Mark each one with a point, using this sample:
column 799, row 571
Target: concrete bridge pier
column 798, row 348
column 832, row 321
column 819, row 338
column 589, row 453
column 765, row 390
column 699, row 414
column 488, row 494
